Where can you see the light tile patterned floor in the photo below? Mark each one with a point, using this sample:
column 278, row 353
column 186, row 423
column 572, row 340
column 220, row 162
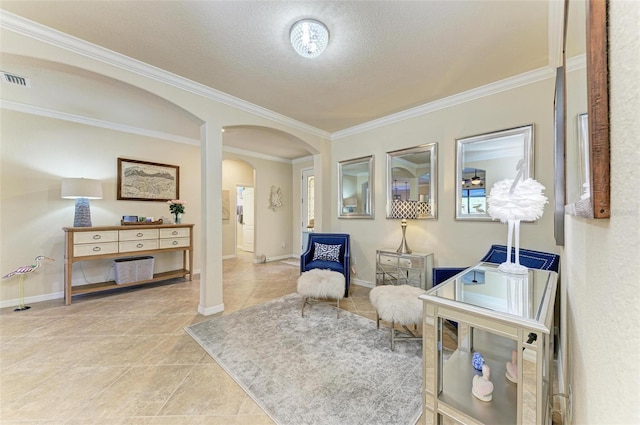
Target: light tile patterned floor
column 124, row 359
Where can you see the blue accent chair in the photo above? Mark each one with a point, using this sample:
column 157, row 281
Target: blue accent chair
column 498, row 255
column 342, row 266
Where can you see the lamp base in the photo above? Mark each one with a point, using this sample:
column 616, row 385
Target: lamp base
column 404, row 248
column 83, row 213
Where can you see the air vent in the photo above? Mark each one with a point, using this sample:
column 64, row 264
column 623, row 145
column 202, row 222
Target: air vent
column 15, row 79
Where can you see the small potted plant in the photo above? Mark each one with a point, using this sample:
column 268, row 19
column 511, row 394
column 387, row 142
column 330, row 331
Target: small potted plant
column 176, row 206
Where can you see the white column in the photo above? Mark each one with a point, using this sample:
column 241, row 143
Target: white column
column 211, row 232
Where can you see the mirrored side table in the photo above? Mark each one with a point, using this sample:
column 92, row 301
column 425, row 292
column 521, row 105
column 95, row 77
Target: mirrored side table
column 497, row 314
column 413, row 269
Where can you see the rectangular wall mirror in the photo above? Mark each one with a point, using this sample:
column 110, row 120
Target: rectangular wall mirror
column 485, row 159
column 412, row 182
column 587, row 124
column 355, row 188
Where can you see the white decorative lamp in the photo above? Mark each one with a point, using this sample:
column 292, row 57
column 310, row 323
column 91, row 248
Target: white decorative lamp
column 404, row 210
column 512, row 201
column 309, row 37
column 81, row 190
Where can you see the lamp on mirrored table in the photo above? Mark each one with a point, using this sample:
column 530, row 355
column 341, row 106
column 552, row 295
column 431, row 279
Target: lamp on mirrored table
column 404, row 210
column 81, row 190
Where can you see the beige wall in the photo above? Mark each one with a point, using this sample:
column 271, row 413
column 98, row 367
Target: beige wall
column 214, row 114
column 454, row 243
column 37, row 152
column 272, row 228
column 601, row 257
column 234, row 173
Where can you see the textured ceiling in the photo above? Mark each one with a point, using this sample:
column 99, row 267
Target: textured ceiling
column 383, row 57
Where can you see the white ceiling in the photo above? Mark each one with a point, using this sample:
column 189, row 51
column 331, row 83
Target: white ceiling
column 383, row 57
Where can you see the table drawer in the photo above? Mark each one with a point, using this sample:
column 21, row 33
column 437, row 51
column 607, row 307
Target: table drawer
column 95, row 237
column 134, row 235
column 180, row 232
column 174, row 243
column 141, row 245
column 84, row 250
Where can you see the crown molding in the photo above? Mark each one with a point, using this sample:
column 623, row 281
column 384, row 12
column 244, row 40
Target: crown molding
column 302, row 159
column 81, row 47
column 79, row 119
column 252, row 154
column 447, row 102
column 576, row 62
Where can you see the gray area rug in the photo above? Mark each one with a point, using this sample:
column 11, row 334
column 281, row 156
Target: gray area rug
column 316, row 369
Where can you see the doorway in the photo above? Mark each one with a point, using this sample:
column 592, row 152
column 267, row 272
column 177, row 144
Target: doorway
column 245, row 218
column 307, row 210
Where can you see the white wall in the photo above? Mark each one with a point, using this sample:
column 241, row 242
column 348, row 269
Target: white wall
column 601, row 257
column 37, row 152
column 454, row 243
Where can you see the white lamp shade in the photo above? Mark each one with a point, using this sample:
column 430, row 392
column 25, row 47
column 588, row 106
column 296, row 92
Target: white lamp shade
column 73, row 188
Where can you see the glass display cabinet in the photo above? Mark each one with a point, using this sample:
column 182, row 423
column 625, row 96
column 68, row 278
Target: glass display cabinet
column 393, row 268
column 502, row 316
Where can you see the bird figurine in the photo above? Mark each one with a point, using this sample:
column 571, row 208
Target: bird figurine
column 512, row 201
column 22, row 271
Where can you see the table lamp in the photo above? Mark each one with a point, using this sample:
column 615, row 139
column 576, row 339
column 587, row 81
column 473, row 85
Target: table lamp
column 404, row 210
column 81, row 190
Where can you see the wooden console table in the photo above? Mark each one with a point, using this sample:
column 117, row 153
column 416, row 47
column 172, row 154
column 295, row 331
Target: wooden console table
column 100, row 243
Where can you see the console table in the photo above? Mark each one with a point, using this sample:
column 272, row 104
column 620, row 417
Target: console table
column 496, row 314
column 403, row 269
column 100, row 243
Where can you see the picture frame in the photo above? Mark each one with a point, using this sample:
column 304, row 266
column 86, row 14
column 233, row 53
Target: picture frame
column 147, row 181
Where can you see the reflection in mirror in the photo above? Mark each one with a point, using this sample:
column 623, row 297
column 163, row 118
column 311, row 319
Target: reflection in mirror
column 485, row 159
column 355, row 188
column 578, row 187
column 586, row 59
column 412, row 182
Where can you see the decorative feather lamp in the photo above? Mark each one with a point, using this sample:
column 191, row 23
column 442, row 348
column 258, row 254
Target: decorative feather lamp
column 512, row 201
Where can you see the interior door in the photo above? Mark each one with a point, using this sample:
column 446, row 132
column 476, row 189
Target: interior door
column 249, row 220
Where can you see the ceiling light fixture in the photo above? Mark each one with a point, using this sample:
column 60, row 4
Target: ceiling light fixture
column 475, row 180
column 309, row 37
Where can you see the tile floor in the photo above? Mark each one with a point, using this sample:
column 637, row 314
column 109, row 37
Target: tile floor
column 124, row 359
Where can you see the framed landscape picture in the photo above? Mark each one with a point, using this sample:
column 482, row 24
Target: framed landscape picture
column 147, row 181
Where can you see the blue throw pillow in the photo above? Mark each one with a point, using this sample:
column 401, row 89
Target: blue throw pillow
column 326, row 252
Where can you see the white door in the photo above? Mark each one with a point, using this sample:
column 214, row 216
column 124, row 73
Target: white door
column 248, row 219
column 306, row 212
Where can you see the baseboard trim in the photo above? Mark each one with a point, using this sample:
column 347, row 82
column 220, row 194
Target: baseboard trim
column 35, row 299
column 364, row 283
column 278, row 258
column 210, row 310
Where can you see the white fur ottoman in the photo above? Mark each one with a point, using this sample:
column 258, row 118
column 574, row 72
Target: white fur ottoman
column 319, row 284
column 398, row 305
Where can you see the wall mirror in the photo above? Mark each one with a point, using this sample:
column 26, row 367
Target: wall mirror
column 355, row 188
column 587, row 109
column 412, row 182
column 485, row 159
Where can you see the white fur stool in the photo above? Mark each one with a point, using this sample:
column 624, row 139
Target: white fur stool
column 319, row 284
column 398, row 305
